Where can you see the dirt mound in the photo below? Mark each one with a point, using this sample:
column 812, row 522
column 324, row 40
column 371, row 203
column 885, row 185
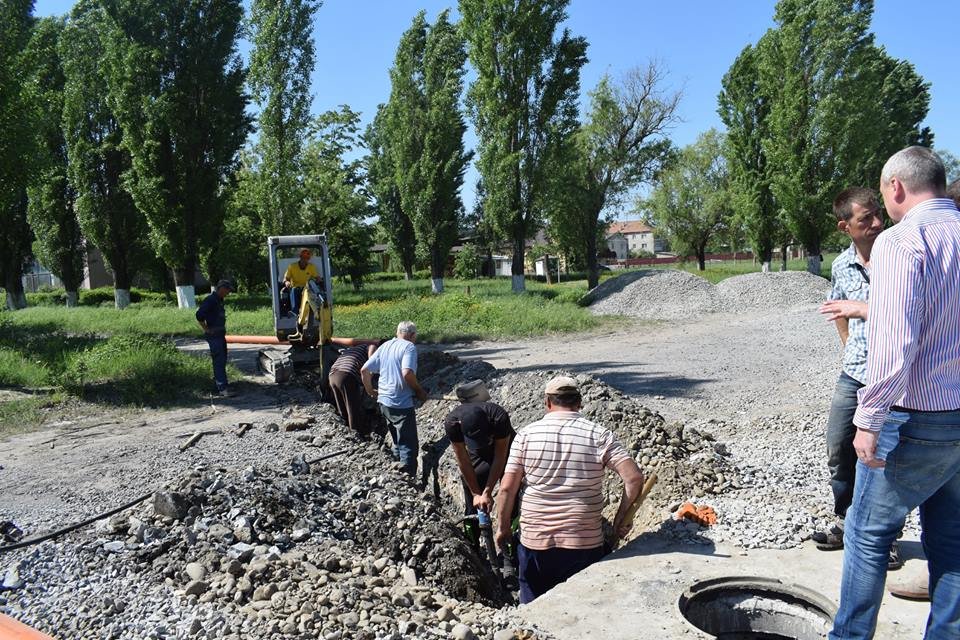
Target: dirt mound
column 348, row 546
column 688, row 461
column 775, row 290
column 665, row 294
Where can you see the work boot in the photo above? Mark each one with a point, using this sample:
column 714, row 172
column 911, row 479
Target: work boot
column 831, row 539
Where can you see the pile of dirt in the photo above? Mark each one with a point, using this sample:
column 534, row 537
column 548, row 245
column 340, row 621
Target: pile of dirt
column 673, row 295
column 346, row 547
column 690, row 464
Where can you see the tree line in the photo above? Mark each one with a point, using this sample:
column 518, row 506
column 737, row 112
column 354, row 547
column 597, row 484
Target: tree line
column 127, row 126
column 815, row 106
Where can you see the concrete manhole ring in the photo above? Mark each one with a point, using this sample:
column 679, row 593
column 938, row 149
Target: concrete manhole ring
column 755, row 608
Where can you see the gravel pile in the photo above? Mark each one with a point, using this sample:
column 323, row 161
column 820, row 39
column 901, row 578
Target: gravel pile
column 784, row 493
column 675, row 295
column 346, row 547
column 654, row 294
column 774, row 290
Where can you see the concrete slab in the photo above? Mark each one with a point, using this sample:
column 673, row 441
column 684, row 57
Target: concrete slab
column 633, row 593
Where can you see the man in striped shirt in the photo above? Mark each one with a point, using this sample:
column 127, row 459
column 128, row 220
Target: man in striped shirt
column 908, row 415
column 560, row 461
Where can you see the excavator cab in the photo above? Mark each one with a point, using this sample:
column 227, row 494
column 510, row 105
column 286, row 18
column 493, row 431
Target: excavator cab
column 306, row 326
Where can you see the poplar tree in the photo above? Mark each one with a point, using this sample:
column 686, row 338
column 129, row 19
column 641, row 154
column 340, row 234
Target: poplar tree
column 744, row 109
column 385, row 193
column 524, row 107
column 425, row 134
column 839, row 107
column 281, row 62
column 59, row 244
column 17, row 147
column 98, row 159
column 177, row 81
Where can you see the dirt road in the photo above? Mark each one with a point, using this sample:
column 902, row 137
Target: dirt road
column 726, row 366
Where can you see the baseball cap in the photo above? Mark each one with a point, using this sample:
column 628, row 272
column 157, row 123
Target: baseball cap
column 561, row 385
column 473, row 391
column 225, row 284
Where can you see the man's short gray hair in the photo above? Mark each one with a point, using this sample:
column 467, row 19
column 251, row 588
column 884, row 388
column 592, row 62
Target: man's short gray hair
column 406, row 328
column 918, row 168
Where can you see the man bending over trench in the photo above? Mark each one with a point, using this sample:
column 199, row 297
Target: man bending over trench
column 560, row 460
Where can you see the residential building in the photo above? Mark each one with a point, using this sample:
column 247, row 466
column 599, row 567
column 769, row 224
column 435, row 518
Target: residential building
column 632, row 235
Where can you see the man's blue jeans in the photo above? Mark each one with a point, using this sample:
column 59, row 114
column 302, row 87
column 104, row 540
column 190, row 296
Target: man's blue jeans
column 841, row 457
column 403, row 428
column 922, row 451
column 218, row 352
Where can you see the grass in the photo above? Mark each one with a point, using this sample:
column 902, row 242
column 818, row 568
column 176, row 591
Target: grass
column 126, row 369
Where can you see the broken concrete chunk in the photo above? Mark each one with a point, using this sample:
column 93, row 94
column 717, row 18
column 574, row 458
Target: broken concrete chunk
column 170, row 504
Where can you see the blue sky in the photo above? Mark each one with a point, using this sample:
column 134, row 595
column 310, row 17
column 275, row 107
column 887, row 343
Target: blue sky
column 696, row 41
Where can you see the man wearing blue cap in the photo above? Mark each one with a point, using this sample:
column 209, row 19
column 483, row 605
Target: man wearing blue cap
column 212, row 318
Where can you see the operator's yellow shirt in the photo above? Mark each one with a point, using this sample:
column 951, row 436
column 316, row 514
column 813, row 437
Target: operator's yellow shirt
column 299, row 277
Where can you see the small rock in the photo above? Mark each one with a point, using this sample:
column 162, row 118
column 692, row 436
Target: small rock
column 196, row 588
column 195, row 570
column 462, row 632
column 170, row 504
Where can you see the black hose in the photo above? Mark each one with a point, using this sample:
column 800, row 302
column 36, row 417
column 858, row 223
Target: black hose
column 72, row 527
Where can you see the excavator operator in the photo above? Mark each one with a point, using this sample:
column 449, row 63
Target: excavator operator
column 296, row 277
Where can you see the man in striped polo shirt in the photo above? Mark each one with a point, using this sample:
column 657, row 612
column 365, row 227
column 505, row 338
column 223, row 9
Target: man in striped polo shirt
column 560, row 461
column 908, row 415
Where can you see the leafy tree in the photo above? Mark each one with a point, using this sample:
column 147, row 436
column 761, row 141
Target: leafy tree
column 280, row 65
column 59, row 243
column 951, row 163
column 241, row 252
column 524, row 106
column 744, row 109
column 97, row 157
column 336, row 203
column 839, row 107
column 385, row 193
column 691, row 203
column 468, row 262
column 177, row 82
column 18, row 112
column 622, row 145
column 425, row 134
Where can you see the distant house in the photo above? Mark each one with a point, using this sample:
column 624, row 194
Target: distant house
column 632, row 235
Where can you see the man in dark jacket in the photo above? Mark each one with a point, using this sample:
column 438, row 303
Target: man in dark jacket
column 212, row 318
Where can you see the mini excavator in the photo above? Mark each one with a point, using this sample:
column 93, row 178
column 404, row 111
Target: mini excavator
column 306, row 330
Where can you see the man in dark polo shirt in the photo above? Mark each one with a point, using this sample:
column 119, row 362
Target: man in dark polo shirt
column 480, row 434
column 212, row 318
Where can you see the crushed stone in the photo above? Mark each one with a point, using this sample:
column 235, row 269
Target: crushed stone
column 668, row 294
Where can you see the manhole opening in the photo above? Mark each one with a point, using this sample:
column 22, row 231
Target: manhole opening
column 757, row 609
